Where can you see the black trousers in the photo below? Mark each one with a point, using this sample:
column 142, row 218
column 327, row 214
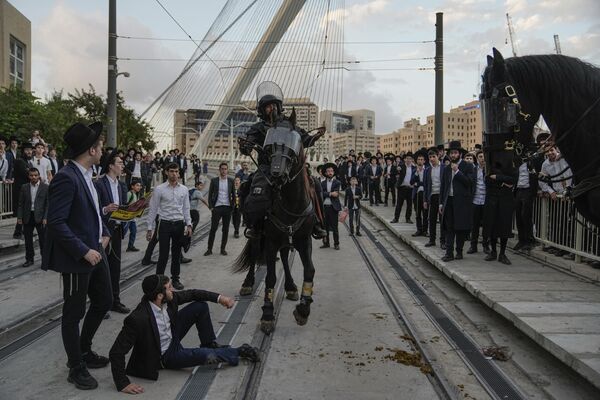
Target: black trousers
column 524, row 215
column 478, row 211
column 374, row 191
column 218, row 213
column 404, row 194
column 433, row 213
column 236, row 218
column 195, row 215
column 114, row 261
column 76, row 289
column 365, row 186
column 170, row 235
column 452, row 233
column 390, row 188
column 422, row 214
column 331, row 224
column 28, row 233
column 354, row 215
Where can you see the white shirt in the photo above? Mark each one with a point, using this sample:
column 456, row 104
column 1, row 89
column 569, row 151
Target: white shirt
column 407, row 176
column 137, row 169
column 114, row 189
column 87, row 176
column 327, row 201
column 551, row 168
column 479, row 197
column 171, row 203
column 523, row 182
column 435, row 179
column 388, row 169
column 163, row 323
column 349, row 172
column 353, row 188
column 43, row 166
column 223, row 197
column 3, row 166
column 451, row 192
column 420, row 174
column 33, row 190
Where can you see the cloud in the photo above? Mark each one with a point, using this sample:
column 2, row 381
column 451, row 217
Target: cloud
column 529, row 23
column 71, row 49
column 357, row 13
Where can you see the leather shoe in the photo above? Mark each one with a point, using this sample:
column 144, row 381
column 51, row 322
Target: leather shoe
column 447, row 258
column 443, row 246
column 417, row 233
column 324, row 246
column 458, row 256
column 185, row 260
column 503, row 259
column 120, row 308
column 27, row 264
column 429, row 244
column 132, row 249
column 358, row 233
column 472, row 250
column 236, row 235
column 223, row 252
column 491, row 257
column 394, row 221
column 81, row 378
column 409, row 221
column 248, row 352
column 337, row 246
column 93, row 360
column 208, row 252
column 177, row 285
column 149, row 262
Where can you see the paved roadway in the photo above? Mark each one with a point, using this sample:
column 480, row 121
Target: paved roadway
column 340, row 354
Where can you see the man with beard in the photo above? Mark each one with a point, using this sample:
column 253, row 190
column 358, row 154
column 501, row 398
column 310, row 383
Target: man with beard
column 331, row 201
column 456, row 205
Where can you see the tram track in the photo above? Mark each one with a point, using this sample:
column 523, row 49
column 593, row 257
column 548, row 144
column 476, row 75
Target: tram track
column 492, row 379
column 44, row 319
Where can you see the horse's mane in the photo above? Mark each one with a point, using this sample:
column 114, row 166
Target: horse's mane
column 564, row 84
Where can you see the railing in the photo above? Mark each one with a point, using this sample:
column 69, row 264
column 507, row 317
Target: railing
column 558, row 224
column 6, row 206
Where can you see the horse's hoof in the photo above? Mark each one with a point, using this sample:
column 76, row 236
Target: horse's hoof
column 300, row 320
column 267, row 326
column 246, row 290
column 292, row 295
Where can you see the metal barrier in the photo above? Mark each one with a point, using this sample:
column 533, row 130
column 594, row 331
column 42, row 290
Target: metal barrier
column 6, row 206
column 558, row 224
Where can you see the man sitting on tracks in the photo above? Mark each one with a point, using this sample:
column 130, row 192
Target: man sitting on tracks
column 155, row 330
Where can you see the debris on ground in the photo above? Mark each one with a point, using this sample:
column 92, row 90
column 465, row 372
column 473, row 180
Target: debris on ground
column 413, row 359
column 500, row 353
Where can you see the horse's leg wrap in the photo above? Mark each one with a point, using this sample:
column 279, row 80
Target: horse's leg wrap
column 307, row 289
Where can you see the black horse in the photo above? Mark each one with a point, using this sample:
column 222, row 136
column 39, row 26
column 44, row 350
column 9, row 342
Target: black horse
column 289, row 224
column 566, row 92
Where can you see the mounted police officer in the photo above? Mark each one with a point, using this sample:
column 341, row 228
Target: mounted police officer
column 259, row 199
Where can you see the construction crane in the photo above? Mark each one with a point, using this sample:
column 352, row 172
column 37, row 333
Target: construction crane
column 511, row 35
column 557, row 45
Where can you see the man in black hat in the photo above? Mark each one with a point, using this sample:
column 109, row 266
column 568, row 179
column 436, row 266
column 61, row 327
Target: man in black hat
column 19, row 175
column 113, row 193
column 456, row 200
column 156, row 328
column 12, row 153
column 4, row 163
column 404, row 188
column 373, row 173
column 390, row 172
column 331, row 201
column 76, row 238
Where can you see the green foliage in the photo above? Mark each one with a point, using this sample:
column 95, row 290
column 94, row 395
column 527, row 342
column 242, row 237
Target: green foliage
column 21, row 113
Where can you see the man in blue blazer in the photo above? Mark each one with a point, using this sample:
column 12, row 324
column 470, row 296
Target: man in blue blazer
column 75, row 242
column 331, row 201
column 113, row 193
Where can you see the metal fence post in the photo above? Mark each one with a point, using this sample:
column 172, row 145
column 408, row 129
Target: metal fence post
column 578, row 236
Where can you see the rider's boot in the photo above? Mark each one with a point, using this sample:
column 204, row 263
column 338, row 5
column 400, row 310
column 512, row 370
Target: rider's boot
column 318, row 232
column 252, row 232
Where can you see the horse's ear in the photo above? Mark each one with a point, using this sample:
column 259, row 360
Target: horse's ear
column 499, row 69
column 490, row 61
column 293, row 116
column 498, row 58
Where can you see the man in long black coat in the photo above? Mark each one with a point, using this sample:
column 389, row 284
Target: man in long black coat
column 458, row 183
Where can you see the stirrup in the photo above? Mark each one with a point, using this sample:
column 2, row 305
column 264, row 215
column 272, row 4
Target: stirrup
column 250, row 233
column 318, row 233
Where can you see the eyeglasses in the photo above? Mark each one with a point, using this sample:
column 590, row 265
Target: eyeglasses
column 38, row 161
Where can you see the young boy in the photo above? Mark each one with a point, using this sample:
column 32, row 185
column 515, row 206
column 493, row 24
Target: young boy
column 133, row 195
column 352, row 205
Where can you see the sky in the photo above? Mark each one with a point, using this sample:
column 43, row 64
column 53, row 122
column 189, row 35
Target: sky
column 70, row 46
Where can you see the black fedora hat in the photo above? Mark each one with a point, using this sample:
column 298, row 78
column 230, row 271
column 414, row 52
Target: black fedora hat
column 26, row 145
column 14, row 138
column 80, row 137
column 408, row 154
column 455, row 145
column 330, row 165
column 367, row 154
column 107, row 159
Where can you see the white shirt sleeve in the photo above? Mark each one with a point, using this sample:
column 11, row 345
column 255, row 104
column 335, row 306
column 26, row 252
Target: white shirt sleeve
column 153, row 209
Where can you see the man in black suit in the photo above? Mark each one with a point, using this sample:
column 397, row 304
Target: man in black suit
column 331, row 201
column 390, row 171
column 75, row 243
column 220, row 202
column 33, row 213
column 456, row 201
column 373, row 172
column 156, row 327
column 352, row 205
column 406, row 171
column 348, row 173
column 183, row 165
column 19, row 174
column 432, row 183
column 112, row 194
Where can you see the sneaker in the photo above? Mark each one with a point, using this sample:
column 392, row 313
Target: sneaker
column 120, row 308
column 81, row 378
column 177, row 284
column 93, row 360
column 248, row 352
column 208, row 252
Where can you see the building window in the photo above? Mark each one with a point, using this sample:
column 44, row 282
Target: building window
column 17, row 62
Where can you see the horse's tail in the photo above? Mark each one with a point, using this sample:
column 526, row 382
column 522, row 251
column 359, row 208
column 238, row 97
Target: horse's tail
column 250, row 256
